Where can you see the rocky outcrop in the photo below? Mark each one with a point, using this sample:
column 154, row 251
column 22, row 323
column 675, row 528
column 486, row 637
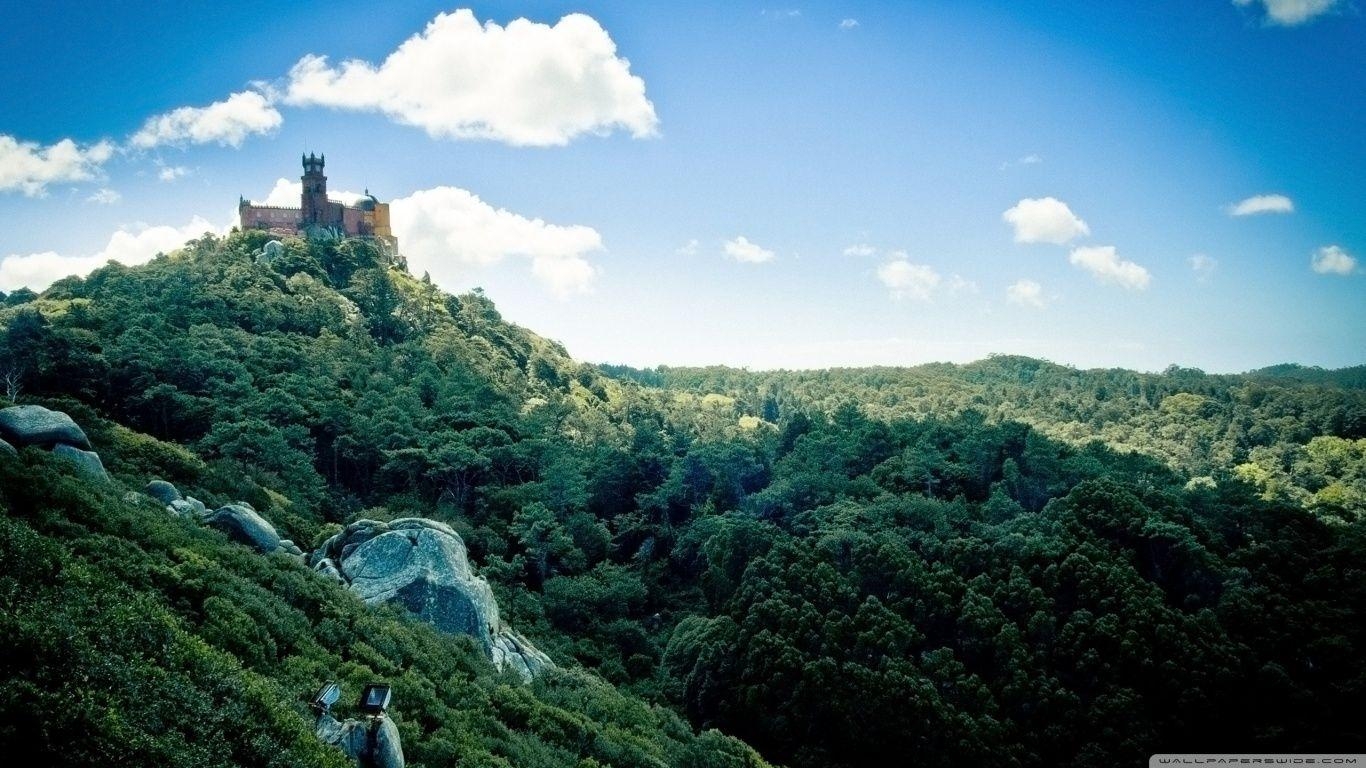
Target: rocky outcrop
column 512, row 650
column 238, row 520
column 25, row 425
column 34, row 425
column 373, row 744
column 243, row 525
column 270, row 252
column 423, row 566
column 87, row 462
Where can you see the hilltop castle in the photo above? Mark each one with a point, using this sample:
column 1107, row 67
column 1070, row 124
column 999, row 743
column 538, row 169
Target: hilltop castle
column 318, row 216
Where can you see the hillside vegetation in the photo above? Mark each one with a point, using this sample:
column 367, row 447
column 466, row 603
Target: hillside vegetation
column 1005, row 563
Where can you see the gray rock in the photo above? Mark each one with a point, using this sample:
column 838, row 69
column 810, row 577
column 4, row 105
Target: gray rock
column 197, row 506
column 271, row 251
column 181, row 508
column 8, row 450
column 512, row 650
column 328, row 569
column 423, row 566
column 383, row 749
column 87, row 462
column 289, row 546
column 35, row 425
column 244, row 526
column 428, row 572
column 162, row 491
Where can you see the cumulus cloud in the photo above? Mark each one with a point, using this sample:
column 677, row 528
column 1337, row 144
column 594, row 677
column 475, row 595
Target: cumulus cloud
column 1333, row 260
column 1105, row 265
column 1203, row 266
column 1290, row 13
column 289, row 194
column 228, row 122
column 1026, row 293
column 448, row 232
column 30, row 167
column 848, row 23
column 285, row 194
column 130, row 246
column 689, row 248
column 1044, row 220
column 741, row 249
column 104, row 196
column 1262, row 204
column 526, row 84
column 904, row 279
column 564, row 276
column 860, row 250
column 172, row 172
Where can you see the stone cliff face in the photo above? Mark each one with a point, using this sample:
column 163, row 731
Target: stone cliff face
column 423, row 566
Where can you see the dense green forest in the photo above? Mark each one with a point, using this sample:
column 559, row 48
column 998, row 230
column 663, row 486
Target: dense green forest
column 1005, row 563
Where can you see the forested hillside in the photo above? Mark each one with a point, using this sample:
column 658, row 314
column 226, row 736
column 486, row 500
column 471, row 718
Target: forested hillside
column 1295, row 432
column 1005, row 563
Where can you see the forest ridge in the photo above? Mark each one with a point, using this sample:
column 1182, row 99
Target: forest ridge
column 1008, row 562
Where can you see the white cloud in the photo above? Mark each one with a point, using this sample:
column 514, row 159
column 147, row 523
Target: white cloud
column 526, row 84
column 285, row 194
column 1044, row 220
column 172, row 172
column 905, row 279
column 1262, row 204
column 958, row 284
column 741, row 249
column 1030, row 159
column 130, row 246
column 30, row 167
column 860, row 250
column 1333, row 260
column 564, row 276
column 1290, row 13
column 1203, row 266
column 289, row 194
column 104, row 196
column 688, row 249
column 1026, row 293
column 228, row 122
column 1105, row 265
column 848, row 23
column 449, row 232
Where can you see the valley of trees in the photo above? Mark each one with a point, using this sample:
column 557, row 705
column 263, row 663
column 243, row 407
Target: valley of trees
column 1007, row 563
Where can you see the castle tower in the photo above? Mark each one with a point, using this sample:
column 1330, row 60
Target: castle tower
column 314, row 203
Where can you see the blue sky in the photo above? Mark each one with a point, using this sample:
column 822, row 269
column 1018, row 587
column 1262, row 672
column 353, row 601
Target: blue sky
column 763, row 185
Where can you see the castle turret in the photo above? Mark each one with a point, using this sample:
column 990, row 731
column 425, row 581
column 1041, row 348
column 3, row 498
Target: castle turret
column 314, row 202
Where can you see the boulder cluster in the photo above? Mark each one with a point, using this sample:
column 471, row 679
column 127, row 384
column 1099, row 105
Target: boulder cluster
column 419, row 564
column 242, row 523
column 34, row 425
